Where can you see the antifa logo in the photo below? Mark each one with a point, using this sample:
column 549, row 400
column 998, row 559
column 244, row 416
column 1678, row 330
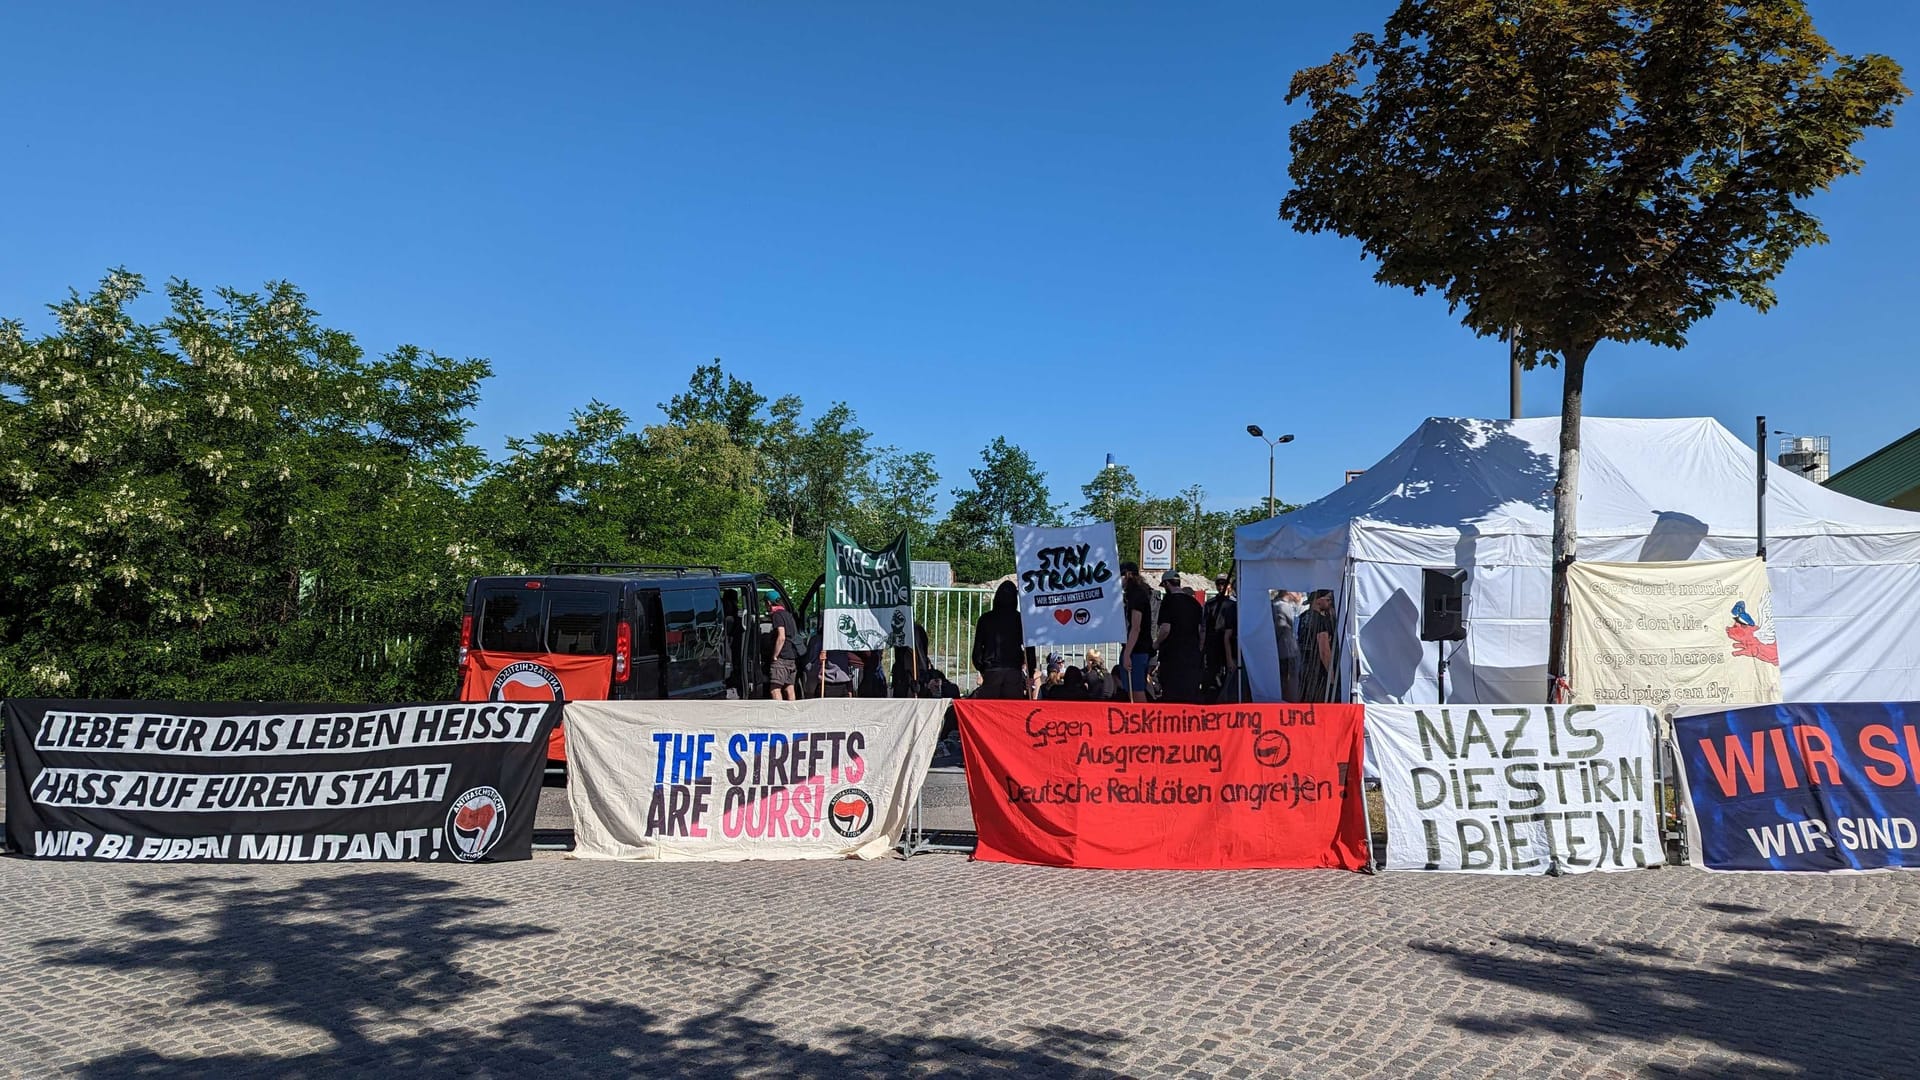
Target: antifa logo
column 1271, row 748
column 850, row 813
column 526, row 681
column 475, row 822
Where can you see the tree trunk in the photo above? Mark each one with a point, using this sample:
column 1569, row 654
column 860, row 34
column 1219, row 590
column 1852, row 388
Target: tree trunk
column 1566, row 505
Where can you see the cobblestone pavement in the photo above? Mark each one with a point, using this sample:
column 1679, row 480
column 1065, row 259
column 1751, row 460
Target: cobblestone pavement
column 938, row 966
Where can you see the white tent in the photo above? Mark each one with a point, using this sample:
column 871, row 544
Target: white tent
column 1478, row 494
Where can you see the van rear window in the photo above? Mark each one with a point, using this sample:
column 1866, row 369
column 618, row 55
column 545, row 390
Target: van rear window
column 511, row 620
column 580, row 624
column 515, row 619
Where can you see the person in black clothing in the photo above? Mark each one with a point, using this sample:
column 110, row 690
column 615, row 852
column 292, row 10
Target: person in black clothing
column 1004, row 663
column 910, row 665
column 1136, row 644
column 1178, row 642
column 937, row 685
column 873, row 681
column 783, row 654
column 1316, row 642
column 1223, row 642
column 1071, row 687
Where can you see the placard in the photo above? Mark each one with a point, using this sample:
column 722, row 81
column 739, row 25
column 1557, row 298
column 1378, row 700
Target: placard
column 867, row 595
column 1802, row 787
column 1069, row 581
column 728, row 780
column 1680, row 633
column 1174, row 787
column 1519, row 789
column 161, row 781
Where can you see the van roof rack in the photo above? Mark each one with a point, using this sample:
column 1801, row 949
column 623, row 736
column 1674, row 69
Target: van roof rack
column 631, row 569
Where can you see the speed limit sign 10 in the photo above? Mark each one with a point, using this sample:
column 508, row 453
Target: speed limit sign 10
column 1156, row 548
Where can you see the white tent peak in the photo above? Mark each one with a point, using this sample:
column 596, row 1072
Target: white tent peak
column 1638, row 476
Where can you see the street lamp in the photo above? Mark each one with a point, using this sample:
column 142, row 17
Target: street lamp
column 1254, row 430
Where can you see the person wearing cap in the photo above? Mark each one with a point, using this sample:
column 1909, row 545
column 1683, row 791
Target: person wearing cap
column 1136, row 651
column 1055, row 664
column 1222, row 641
column 1177, row 639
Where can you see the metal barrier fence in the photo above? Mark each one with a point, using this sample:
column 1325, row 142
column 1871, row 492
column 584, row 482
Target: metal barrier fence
column 949, row 616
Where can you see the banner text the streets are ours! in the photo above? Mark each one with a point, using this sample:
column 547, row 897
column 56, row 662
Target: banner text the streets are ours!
column 1125, row 786
column 245, row 782
column 729, row 780
column 1522, row 789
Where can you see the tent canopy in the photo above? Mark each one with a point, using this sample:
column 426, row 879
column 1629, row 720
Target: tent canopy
column 1478, row 494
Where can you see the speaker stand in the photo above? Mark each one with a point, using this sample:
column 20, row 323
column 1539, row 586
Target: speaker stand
column 1440, row 654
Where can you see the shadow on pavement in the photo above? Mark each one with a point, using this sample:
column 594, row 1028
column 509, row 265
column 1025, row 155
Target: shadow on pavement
column 360, row 956
column 1817, row 998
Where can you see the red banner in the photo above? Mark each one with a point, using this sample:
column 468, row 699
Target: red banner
column 538, row 677
column 1165, row 787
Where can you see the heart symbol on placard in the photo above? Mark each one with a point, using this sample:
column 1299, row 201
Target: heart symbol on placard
column 1062, row 616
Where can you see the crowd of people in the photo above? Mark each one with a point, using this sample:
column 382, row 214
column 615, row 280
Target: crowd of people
column 1175, row 650
column 797, row 668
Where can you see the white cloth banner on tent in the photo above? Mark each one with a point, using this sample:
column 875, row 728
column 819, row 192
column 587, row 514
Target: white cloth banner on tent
column 1069, row 584
column 1520, row 789
column 731, row 780
column 1682, row 633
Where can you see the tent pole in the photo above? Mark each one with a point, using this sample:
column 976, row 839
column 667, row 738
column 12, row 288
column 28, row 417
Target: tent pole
column 1513, row 374
column 1760, row 486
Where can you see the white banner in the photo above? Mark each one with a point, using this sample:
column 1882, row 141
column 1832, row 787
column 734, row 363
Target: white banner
column 1681, row 633
column 1521, row 789
column 730, row 780
column 1069, row 584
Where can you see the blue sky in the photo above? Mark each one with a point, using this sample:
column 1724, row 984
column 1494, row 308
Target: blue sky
column 1053, row 222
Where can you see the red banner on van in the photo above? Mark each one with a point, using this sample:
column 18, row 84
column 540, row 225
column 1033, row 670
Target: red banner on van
column 538, row 677
column 1166, row 787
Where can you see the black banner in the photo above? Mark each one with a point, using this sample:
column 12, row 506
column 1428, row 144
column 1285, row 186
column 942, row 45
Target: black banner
column 163, row 781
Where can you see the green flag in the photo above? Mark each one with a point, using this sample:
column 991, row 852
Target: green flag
column 868, row 595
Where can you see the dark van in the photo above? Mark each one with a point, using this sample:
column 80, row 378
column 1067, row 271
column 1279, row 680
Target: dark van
column 614, row 631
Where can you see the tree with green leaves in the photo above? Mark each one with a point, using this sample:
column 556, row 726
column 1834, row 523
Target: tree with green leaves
column 232, row 502
column 713, row 396
column 901, row 491
column 1008, row 489
column 1579, row 171
column 1113, row 493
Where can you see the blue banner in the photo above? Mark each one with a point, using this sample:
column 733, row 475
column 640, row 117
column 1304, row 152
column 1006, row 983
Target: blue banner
column 1804, row 787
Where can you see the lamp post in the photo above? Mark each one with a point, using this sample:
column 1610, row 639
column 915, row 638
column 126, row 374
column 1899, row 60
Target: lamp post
column 1254, row 430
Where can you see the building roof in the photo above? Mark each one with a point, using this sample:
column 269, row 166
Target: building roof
column 1889, row 475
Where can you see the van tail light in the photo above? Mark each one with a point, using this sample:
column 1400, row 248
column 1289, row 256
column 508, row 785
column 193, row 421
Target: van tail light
column 466, row 641
column 622, row 651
